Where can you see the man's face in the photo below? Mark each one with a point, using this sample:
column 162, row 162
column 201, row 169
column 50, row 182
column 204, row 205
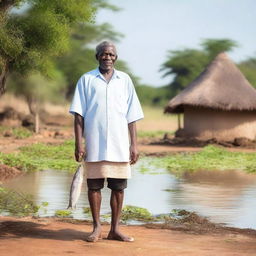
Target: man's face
column 107, row 58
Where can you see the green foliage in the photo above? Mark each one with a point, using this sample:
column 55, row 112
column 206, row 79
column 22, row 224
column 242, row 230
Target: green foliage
column 185, row 65
column 10, row 40
column 42, row 157
column 17, row 204
column 63, row 213
column 210, row 158
column 153, row 96
column 214, row 46
column 130, row 212
column 30, row 39
column 248, row 68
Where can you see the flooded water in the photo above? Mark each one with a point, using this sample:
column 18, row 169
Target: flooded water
column 223, row 196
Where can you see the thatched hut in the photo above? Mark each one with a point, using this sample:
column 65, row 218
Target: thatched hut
column 220, row 103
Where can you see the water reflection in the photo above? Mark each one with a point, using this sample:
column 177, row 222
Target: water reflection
column 223, row 196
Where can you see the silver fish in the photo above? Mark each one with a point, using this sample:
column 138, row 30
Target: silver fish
column 76, row 186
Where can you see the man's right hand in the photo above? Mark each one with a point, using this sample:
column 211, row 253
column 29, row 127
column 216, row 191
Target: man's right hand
column 79, row 154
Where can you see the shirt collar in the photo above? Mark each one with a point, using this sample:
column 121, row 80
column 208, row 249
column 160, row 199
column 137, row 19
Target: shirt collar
column 115, row 74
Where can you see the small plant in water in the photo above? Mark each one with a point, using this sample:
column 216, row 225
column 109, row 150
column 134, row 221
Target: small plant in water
column 17, row 204
column 87, row 210
column 130, row 212
column 63, row 213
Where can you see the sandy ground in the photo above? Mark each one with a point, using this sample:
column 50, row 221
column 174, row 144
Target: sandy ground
column 27, row 236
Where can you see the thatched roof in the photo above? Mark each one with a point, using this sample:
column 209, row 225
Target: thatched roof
column 220, row 86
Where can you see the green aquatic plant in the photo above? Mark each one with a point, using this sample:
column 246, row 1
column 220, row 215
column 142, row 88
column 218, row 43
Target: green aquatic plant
column 87, row 210
column 130, row 212
column 16, row 203
column 63, row 213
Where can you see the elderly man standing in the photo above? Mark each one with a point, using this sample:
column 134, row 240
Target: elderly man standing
column 106, row 108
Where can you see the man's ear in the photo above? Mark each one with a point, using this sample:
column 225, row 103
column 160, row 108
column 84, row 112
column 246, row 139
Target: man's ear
column 96, row 56
column 116, row 57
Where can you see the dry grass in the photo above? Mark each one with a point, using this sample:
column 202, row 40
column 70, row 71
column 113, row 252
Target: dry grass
column 18, row 103
column 156, row 120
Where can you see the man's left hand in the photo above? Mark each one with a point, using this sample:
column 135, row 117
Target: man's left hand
column 134, row 154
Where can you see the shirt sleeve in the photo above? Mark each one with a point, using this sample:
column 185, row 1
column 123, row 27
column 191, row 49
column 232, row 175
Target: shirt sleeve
column 78, row 104
column 134, row 112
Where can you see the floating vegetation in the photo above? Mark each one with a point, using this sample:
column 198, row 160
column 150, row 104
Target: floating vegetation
column 87, row 210
column 130, row 212
column 63, row 213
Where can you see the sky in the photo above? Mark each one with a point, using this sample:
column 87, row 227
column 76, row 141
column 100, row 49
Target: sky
column 153, row 28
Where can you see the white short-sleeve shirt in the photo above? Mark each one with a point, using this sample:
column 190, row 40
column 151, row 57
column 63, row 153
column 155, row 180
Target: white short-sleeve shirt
column 107, row 108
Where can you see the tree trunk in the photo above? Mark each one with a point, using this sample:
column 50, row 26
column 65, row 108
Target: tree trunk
column 3, row 77
column 37, row 124
column 34, row 107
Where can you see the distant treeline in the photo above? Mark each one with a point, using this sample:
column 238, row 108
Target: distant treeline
column 154, row 96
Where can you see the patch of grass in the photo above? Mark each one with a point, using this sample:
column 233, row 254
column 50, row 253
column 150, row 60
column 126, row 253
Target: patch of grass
column 41, row 156
column 130, row 212
column 63, row 213
column 17, row 204
column 210, row 158
column 16, row 132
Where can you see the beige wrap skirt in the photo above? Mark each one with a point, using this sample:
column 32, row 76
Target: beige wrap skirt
column 107, row 169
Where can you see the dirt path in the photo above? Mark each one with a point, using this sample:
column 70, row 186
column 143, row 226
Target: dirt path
column 8, row 145
column 29, row 236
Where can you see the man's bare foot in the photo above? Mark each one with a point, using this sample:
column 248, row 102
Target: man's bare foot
column 119, row 236
column 94, row 236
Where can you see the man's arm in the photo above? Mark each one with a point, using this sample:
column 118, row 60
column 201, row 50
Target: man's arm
column 134, row 153
column 79, row 131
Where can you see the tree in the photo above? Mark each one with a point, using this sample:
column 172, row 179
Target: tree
column 29, row 40
column 185, row 65
column 36, row 90
column 213, row 47
column 248, row 68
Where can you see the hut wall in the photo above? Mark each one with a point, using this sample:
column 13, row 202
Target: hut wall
column 204, row 124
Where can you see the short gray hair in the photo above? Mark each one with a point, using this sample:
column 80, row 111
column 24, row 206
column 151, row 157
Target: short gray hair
column 103, row 45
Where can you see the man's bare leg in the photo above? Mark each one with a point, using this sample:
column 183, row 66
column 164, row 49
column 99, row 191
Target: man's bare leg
column 116, row 203
column 94, row 197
